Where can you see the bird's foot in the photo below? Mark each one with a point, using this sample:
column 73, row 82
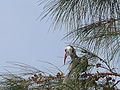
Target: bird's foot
column 84, row 75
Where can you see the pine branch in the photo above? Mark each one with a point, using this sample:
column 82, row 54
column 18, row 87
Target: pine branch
column 116, row 83
column 104, row 74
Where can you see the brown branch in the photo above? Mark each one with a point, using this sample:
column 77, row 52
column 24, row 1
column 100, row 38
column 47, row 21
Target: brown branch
column 103, row 22
column 109, row 21
column 104, row 74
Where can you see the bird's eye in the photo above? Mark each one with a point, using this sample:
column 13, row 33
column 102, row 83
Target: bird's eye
column 65, row 50
column 72, row 50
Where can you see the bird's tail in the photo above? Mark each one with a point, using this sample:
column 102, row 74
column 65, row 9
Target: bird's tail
column 67, row 77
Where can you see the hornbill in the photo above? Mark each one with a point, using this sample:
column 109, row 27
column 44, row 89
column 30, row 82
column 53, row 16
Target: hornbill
column 77, row 65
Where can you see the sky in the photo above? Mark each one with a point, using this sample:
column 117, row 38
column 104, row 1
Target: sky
column 23, row 38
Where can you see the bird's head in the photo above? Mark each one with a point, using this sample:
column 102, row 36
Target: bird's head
column 69, row 51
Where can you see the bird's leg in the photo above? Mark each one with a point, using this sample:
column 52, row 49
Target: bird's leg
column 84, row 75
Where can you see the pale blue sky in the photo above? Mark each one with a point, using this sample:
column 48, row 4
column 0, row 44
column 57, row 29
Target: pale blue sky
column 25, row 39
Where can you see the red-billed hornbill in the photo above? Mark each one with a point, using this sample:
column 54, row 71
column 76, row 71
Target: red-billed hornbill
column 77, row 64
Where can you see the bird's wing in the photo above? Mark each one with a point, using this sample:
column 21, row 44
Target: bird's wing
column 77, row 66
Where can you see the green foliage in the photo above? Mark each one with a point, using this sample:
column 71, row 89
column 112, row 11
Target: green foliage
column 79, row 81
column 12, row 82
column 93, row 24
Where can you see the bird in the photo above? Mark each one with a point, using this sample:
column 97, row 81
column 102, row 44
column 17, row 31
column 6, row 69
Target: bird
column 77, row 64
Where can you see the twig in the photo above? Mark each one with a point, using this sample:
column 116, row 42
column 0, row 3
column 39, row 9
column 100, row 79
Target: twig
column 104, row 74
column 115, row 83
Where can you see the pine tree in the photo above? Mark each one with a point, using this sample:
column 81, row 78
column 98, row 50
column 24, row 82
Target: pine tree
column 93, row 28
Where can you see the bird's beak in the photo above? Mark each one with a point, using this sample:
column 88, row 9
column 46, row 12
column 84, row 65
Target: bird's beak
column 65, row 58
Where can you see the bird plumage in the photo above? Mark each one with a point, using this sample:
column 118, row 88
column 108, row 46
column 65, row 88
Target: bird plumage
column 77, row 64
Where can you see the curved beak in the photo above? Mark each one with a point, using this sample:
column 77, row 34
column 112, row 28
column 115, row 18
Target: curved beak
column 65, row 56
